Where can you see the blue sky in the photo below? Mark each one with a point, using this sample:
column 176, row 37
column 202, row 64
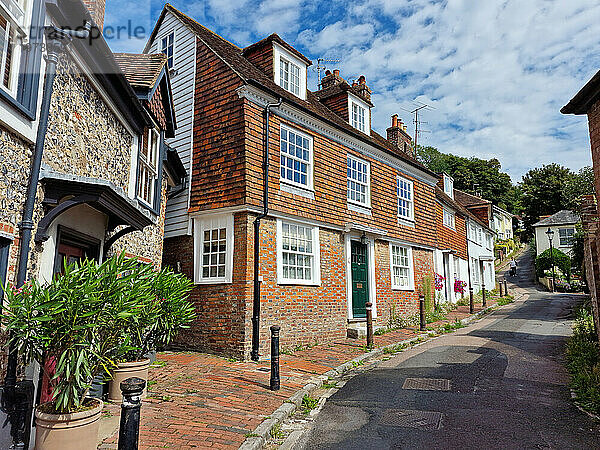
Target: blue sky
column 496, row 73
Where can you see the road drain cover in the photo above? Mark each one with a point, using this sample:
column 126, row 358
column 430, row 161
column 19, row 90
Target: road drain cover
column 427, row 384
column 424, row 420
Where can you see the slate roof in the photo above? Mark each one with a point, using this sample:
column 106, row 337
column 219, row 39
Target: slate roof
column 449, row 201
column 585, row 98
column 233, row 57
column 141, row 70
column 564, row 217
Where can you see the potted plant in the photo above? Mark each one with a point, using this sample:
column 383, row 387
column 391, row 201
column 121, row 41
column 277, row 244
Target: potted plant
column 159, row 317
column 74, row 322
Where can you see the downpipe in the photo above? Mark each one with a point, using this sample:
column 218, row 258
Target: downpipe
column 256, row 298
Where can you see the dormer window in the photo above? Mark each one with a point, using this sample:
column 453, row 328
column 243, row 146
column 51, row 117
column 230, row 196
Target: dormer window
column 448, row 186
column 358, row 114
column 289, row 71
column 167, row 46
column 289, row 76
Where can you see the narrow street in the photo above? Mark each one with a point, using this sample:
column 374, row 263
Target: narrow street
column 499, row 383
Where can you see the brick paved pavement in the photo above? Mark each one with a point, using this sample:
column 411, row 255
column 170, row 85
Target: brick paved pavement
column 198, row 400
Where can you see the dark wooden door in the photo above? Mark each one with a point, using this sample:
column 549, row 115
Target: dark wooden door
column 359, row 267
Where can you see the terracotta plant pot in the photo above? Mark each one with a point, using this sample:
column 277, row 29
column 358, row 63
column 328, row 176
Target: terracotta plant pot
column 76, row 431
column 122, row 372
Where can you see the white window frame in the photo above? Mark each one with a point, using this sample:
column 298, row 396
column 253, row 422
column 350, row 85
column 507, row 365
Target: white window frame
column 358, row 117
column 411, row 206
column 15, row 31
column 149, row 167
column 354, row 100
column 309, row 175
column 449, row 186
column 289, row 76
column 367, row 202
column 449, row 219
column 278, row 53
column 163, row 49
column 475, row 271
column 316, row 255
column 456, row 269
column 206, row 223
column 411, row 271
column 571, row 238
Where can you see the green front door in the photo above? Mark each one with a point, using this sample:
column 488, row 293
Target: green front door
column 360, row 281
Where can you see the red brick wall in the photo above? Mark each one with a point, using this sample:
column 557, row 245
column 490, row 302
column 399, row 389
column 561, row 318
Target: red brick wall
column 220, row 308
column 218, row 155
column 594, row 126
column 339, row 105
column 451, row 239
column 306, row 314
column 157, row 108
column 392, row 302
column 481, row 212
column 262, row 57
column 330, row 203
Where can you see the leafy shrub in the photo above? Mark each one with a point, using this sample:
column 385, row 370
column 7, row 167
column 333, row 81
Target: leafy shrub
column 561, row 260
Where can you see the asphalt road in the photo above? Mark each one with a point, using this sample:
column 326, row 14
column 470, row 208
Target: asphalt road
column 499, row 383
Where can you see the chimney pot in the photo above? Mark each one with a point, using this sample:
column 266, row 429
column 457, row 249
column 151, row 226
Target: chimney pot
column 336, row 72
column 327, row 72
column 395, row 120
column 362, row 79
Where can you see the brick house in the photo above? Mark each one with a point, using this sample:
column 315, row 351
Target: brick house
column 587, row 101
column 351, row 215
column 105, row 169
column 464, row 244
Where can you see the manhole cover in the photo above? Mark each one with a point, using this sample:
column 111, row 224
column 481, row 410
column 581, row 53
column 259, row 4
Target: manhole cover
column 427, row 384
column 425, row 420
column 263, row 369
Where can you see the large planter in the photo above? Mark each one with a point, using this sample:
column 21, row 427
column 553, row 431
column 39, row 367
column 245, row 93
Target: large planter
column 122, row 372
column 76, row 431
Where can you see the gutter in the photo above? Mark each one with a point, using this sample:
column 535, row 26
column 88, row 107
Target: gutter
column 256, row 299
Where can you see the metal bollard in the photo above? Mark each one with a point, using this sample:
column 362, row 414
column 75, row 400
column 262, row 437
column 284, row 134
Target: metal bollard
column 423, row 323
column 369, row 306
column 129, row 429
column 274, row 383
column 471, row 305
column 500, row 287
column 505, row 288
column 483, row 299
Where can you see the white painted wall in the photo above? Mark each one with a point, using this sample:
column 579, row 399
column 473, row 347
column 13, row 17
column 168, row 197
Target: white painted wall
column 542, row 243
column 183, row 86
column 480, row 252
column 438, row 258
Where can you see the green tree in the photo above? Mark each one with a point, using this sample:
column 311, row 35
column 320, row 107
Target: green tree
column 543, row 192
column 582, row 183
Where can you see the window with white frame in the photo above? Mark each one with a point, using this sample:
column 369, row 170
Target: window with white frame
column 448, row 186
column 449, row 219
column 8, row 57
column 295, row 157
column 213, row 238
column 456, row 268
column 289, row 76
column 401, row 267
column 479, row 236
column 148, row 167
column 298, row 253
column 358, row 180
column 358, row 117
column 404, row 191
column 565, row 236
column 475, row 270
column 167, row 46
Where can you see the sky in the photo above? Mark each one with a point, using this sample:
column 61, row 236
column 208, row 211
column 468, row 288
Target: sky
column 494, row 73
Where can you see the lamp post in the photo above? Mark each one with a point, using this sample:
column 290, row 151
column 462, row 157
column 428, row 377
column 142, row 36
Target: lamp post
column 550, row 235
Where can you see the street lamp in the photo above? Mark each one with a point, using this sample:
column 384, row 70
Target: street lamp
column 550, row 235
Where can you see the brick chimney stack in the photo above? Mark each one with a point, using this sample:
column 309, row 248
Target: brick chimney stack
column 398, row 137
column 96, row 9
column 361, row 89
column 331, row 79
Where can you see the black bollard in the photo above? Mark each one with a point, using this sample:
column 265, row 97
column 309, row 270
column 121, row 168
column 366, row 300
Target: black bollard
column 369, row 306
column 129, row 430
column 505, row 288
column 483, row 299
column 471, row 305
column 275, row 380
column 422, row 321
column 500, row 287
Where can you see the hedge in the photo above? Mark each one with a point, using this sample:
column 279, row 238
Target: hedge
column 543, row 262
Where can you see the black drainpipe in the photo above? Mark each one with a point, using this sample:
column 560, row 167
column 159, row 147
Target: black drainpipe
column 256, row 301
column 56, row 41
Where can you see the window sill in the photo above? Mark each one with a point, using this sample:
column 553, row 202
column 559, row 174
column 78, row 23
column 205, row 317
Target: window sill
column 406, row 222
column 397, row 288
column 450, row 228
column 297, row 190
column 215, row 281
column 144, row 204
column 362, row 209
column 298, row 283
